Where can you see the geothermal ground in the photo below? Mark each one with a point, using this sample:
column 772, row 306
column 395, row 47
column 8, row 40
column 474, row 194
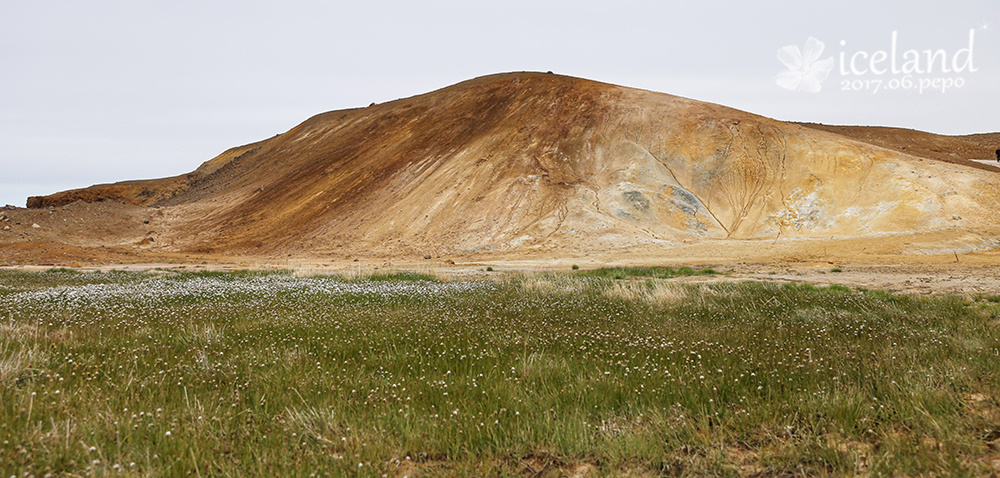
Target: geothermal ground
column 541, row 171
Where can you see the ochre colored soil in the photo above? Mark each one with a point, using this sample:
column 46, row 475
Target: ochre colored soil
column 536, row 170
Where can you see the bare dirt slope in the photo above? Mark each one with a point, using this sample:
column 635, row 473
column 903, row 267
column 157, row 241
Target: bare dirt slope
column 542, row 165
column 143, row 192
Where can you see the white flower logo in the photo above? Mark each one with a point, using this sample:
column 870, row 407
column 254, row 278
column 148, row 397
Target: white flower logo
column 804, row 72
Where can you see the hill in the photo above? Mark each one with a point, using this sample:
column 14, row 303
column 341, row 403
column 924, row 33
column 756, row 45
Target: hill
column 533, row 163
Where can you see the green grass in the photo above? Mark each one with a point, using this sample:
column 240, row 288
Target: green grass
column 272, row 375
column 227, row 275
column 655, row 272
column 400, row 276
column 19, row 281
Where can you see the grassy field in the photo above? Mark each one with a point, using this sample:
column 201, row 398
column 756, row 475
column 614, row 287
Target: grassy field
column 652, row 272
column 266, row 374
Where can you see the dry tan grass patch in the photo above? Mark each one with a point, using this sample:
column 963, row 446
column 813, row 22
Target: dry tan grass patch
column 658, row 292
column 18, row 364
column 19, row 331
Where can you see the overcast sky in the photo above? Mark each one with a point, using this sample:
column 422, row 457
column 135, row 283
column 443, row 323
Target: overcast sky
column 104, row 91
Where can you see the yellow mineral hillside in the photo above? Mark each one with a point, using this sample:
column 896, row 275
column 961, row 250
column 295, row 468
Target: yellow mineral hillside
column 518, row 163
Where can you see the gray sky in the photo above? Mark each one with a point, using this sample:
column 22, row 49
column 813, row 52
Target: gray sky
column 104, row 91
